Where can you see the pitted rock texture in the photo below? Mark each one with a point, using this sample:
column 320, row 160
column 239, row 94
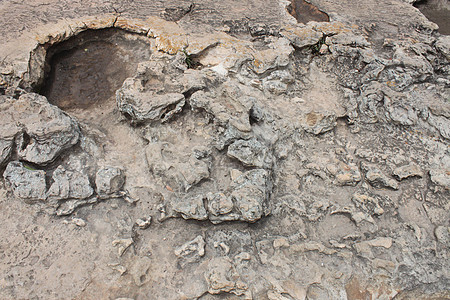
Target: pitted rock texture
column 246, row 150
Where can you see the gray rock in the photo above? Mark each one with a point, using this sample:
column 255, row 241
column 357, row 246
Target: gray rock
column 144, row 107
column 191, row 251
column 442, row 234
column 317, row 123
column 443, row 45
column 5, row 150
column 251, row 193
column 26, row 182
column 377, row 178
column 251, row 153
column 42, row 131
column 440, row 172
column 109, row 181
column 69, row 185
column 67, row 207
column 190, row 207
column 406, row 171
column 179, row 170
column 222, row 277
column 154, row 94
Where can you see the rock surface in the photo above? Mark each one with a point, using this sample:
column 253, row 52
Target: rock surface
column 254, row 146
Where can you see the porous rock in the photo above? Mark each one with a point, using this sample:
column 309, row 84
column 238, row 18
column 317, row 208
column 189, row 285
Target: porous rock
column 41, row 131
column 410, row 170
column 26, row 182
column 109, row 181
column 377, row 178
column 69, row 185
column 191, row 251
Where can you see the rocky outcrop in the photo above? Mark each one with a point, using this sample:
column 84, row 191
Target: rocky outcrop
column 40, row 131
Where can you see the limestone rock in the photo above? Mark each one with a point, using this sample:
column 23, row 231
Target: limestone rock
column 222, row 277
column 122, row 245
column 442, row 234
column 301, row 36
column 443, row 45
column 26, row 182
column 251, row 193
column 319, row 122
column 42, row 131
column 154, row 93
column 69, row 185
column 181, row 171
column 5, row 150
column 144, row 223
column 377, row 178
column 190, row 207
column 345, row 174
column 246, row 200
column 406, row 171
column 143, row 107
column 440, row 173
column 251, row 153
column 109, row 181
column 191, row 251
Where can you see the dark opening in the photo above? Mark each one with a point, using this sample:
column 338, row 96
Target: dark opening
column 88, row 68
column 437, row 11
column 305, row 12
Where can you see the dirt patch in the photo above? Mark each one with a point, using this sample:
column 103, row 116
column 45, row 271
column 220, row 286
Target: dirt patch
column 305, row 12
column 87, row 69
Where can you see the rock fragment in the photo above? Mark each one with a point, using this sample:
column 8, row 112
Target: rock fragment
column 222, row 277
column 251, row 153
column 442, row 234
column 41, row 131
column 26, row 182
column 69, row 185
column 122, row 245
column 410, row 170
column 191, row 251
column 144, row 223
column 109, row 181
column 377, row 178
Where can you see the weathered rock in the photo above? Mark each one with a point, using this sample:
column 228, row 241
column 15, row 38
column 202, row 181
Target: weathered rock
column 443, row 45
column 122, row 245
column 191, row 252
column 222, row 277
column 26, row 182
column 368, row 204
column 440, row 173
column 67, row 207
column 410, row 170
column 154, row 94
column 143, row 107
column 42, row 131
column 301, row 36
column 109, row 181
column 345, row 174
column 181, row 171
column 377, row 178
column 317, row 123
column 190, row 207
column 442, row 234
column 251, row 153
column 69, row 185
column 144, row 223
column 251, row 193
column 6, row 147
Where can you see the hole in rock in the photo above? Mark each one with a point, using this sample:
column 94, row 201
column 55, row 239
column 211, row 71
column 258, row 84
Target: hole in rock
column 305, row 12
column 87, row 69
column 437, row 11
